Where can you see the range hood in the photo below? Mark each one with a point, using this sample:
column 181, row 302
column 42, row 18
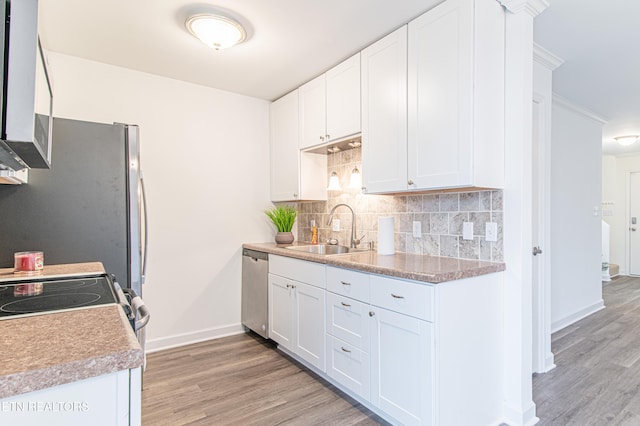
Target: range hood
column 332, row 147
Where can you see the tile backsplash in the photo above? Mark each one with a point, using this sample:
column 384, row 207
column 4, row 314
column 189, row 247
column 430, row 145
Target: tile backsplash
column 440, row 215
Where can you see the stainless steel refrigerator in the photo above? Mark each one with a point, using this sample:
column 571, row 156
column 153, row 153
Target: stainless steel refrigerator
column 89, row 206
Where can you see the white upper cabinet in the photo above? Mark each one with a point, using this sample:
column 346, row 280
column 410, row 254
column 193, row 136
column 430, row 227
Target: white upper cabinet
column 343, row 99
column 384, row 114
column 313, row 107
column 455, row 96
column 330, row 105
column 294, row 175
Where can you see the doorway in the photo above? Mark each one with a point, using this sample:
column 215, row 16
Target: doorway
column 633, row 223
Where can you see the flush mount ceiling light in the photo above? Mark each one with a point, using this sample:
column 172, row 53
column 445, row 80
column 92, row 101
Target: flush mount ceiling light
column 626, row 140
column 217, row 32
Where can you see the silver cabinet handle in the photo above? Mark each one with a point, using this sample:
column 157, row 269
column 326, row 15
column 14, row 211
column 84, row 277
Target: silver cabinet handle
column 322, row 138
column 345, row 304
column 295, row 195
column 537, row 251
column 344, row 283
column 395, row 296
column 410, row 182
column 328, row 137
column 632, row 229
column 345, row 350
column 371, row 313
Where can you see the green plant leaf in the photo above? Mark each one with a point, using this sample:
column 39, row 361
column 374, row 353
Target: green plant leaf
column 282, row 217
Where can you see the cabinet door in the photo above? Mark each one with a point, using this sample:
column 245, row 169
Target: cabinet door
column 349, row 366
column 281, row 327
column 401, row 366
column 440, row 97
column 313, row 113
column 309, row 320
column 348, row 320
column 285, row 153
column 384, row 114
column 343, row 99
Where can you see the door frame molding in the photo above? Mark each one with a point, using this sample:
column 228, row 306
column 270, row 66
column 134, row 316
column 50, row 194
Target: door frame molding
column 627, row 218
column 543, row 358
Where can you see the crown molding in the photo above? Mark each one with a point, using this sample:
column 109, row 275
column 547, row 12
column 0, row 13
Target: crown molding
column 532, row 7
column 567, row 104
column 546, row 58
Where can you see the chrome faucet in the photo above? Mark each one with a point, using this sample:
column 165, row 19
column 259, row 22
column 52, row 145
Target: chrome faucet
column 354, row 241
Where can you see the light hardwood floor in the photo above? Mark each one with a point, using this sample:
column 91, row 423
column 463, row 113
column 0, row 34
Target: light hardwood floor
column 243, row 380
column 597, row 376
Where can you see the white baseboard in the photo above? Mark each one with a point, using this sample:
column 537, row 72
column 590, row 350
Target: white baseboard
column 520, row 417
column 168, row 342
column 576, row 316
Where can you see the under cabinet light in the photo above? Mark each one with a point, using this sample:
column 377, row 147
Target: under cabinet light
column 356, row 179
column 334, row 183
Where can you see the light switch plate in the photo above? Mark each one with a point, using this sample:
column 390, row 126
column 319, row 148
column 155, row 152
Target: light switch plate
column 336, row 225
column 491, row 231
column 467, row 230
column 417, row 229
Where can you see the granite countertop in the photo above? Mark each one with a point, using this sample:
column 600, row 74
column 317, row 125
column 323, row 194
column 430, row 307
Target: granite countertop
column 42, row 351
column 419, row 267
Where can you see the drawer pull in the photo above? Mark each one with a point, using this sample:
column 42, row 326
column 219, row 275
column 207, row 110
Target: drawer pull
column 345, row 350
column 395, row 296
column 371, row 313
column 344, row 283
column 345, row 304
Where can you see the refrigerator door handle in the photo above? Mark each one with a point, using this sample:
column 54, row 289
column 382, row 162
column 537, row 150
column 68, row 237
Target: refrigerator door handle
column 145, row 228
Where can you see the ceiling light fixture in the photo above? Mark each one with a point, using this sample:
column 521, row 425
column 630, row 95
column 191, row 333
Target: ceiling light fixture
column 217, row 32
column 626, row 140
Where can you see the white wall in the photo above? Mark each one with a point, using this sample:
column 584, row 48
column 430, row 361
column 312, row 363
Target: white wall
column 576, row 151
column 615, row 176
column 204, row 153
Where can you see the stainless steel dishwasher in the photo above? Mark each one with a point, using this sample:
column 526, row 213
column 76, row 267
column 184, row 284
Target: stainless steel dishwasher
column 255, row 291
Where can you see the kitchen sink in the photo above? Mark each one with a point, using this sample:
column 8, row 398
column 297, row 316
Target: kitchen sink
column 326, row 249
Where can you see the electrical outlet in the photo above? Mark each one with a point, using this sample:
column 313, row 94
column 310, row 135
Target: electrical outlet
column 417, row 229
column 467, row 230
column 491, row 231
column 336, row 225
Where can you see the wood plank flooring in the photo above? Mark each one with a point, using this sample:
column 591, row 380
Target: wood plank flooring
column 241, row 380
column 597, row 376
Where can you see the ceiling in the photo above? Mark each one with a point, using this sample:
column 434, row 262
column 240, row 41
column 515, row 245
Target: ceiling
column 292, row 41
column 598, row 41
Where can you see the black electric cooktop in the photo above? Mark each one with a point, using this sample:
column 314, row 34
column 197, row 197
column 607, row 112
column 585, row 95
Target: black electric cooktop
column 32, row 297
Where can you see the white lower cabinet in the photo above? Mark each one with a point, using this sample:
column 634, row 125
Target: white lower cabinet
column 297, row 309
column 402, row 366
column 109, row 400
column 415, row 353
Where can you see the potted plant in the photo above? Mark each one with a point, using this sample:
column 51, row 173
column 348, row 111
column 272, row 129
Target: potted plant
column 283, row 218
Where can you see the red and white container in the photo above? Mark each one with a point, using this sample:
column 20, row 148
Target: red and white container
column 28, row 262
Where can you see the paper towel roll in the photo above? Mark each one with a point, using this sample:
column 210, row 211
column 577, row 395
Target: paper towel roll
column 386, row 239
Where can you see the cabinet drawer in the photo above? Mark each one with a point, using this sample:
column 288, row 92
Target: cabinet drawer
column 405, row 297
column 348, row 320
column 298, row 270
column 348, row 283
column 348, row 366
